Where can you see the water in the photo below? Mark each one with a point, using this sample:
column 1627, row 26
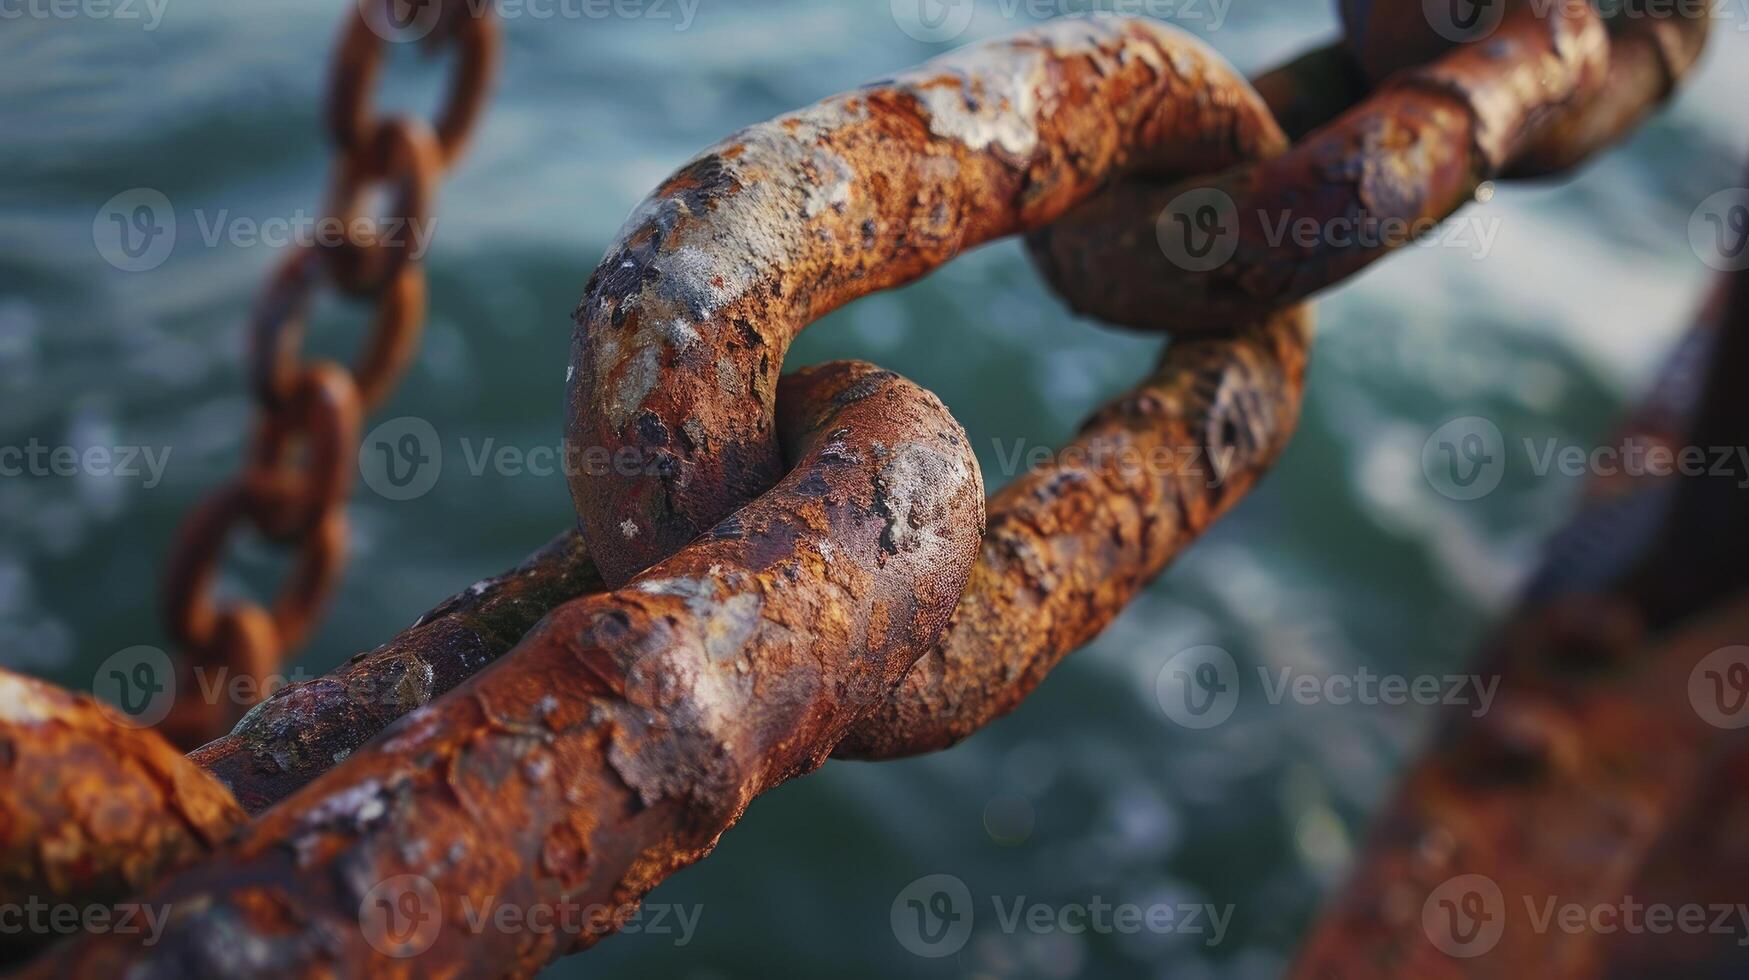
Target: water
column 1345, row 558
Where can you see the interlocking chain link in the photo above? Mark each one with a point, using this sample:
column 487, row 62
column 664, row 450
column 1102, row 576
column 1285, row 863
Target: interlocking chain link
column 298, row 466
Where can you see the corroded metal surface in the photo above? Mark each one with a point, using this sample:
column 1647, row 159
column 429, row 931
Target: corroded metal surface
column 91, row 809
column 1701, row 860
column 1653, row 45
column 1313, row 89
column 1649, row 56
column 625, row 733
column 1597, row 773
column 1372, row 181
column 306, row 728
column 1071, row 542
column 1559, row 793
column 1699, row 552
column 684, row 326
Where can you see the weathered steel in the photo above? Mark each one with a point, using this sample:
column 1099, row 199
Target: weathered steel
column 1698, row 555
column 1374, row 180
column 1072, row 542
column 1653, row 45
column 1313, row 89
column 300, row 732
column 624, row 734
column 1592, row 748
column 1596, row 768
column 1700, row 861
column 306, row 728
column 684, row 326
column 91, row 809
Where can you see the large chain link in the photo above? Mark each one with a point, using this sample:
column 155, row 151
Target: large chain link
column 297, row 469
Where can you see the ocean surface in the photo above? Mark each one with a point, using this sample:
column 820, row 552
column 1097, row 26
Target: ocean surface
column 1546, row 311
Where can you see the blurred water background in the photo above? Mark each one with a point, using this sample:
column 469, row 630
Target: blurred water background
column 1345, row 558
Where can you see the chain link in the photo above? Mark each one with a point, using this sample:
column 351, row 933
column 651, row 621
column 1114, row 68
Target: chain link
column 298, row 464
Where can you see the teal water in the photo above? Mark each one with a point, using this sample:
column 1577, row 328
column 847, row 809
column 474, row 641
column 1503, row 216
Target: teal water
column 1346, row 558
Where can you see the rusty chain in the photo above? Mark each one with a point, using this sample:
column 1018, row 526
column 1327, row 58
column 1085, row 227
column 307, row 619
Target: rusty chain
column 92, row 808
column 298, row 465
column 630, row 728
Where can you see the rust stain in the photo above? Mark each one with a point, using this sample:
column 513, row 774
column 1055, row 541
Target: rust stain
column 688, row 318
column 92, row 809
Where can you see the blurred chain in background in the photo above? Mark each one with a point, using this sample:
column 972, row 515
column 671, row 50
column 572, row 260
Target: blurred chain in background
column 300, row 459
